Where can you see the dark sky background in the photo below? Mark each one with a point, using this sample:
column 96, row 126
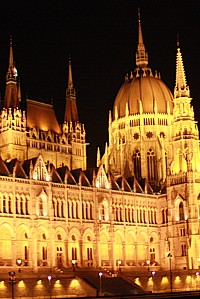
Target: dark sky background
column 101, row 36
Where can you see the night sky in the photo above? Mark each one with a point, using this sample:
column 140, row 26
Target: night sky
column 101, row 37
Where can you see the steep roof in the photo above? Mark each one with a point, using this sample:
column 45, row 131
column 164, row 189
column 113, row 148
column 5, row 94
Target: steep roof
column 42, row 116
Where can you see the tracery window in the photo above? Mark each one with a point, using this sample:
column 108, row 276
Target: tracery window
column 77, row 210
column 89, row 254
column 40, row 207
column 137, row 164
column 91, row 213
column 183, row 250
column 74, row 253
column 102, row 212
column 4, row 205
column 181, row 211
column 151, row 165
column 9, row 205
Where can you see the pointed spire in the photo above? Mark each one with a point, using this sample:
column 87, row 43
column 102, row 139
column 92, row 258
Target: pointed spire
column 70, row 81
column 11, row 94
column 71, row 112
column 181, row 89
column 19, row 91
column 98, row 157
column 141, row 55
column 11, row 61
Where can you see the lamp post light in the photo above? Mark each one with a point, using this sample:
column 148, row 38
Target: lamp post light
column 100, row 283
column 12, row 281
column 197, row 279
column 49, row 279
column 119, row 264
column 153, row 273
column 170, row 269
column 19, row 263
column 73, row 264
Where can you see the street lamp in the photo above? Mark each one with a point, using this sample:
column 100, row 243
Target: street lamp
column 119, row 264
column 19, row 263
column 170, row 269
column 197, row 279
column 73, row 264
column 153, row 273
column 49, row 279
column 12, row 281
column 148, row 264
column 100, row 283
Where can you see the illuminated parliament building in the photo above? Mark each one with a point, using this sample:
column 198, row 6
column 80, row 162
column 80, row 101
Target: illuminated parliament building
column 139, row 206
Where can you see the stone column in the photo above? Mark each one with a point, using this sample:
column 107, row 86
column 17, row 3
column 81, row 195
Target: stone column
column 81, row 252
column 13, row 243
column 66, row 259
column 124, row 253
column 34, row 253
column 52, row 251
column 136, row 253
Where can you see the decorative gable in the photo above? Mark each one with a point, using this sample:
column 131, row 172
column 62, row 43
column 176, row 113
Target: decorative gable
column 102, row 179
column 40, row 170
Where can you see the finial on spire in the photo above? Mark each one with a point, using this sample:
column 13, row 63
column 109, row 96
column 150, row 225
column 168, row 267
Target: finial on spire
column 181, row 89
column 141, row 55
column 138, row 13
column 70, row 81
column 11, row 62
column 71, row 112
column 177, row 41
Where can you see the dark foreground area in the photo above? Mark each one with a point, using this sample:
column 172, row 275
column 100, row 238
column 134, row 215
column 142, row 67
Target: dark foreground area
column 182, row 295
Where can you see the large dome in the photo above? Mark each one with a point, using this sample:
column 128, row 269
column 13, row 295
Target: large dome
column 151, row 91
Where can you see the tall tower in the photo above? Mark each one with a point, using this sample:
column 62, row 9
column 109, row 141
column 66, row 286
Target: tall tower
column 183, row 187
column 72, row 127
column 140, row 123
column 12, row 118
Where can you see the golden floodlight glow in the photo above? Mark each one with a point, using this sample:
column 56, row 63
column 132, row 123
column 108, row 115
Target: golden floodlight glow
column 2, row 284
column 39, row 282
column 164, row 280
column 21, row 284
column 150, row 281
column 74, row 283
column 57, row 283
column 137, row 280
column 188, row 278
column 177, row 279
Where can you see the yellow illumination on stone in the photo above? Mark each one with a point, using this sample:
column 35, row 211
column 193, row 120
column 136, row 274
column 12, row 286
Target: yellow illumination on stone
column 188, row 278
column 2, row 284
column 150, row 281
column 137, row 281
column 57, row 283
column 164, row 280
column 74, row 283
column 177, row 279
column 39, row 282
column 21, row 284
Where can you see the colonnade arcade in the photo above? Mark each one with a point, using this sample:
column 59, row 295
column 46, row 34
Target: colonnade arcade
column 49, row 247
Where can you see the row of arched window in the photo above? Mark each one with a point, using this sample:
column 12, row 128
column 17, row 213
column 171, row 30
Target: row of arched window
column 7, row 205
column 73, row 209
column 127, row 214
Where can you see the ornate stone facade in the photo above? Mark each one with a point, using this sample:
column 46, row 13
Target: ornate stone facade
column 139, row 207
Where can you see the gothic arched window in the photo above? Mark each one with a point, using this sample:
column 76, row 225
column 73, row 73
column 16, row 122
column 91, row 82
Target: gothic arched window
column 151, row 165
column 137, row 164
column 181, row 211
